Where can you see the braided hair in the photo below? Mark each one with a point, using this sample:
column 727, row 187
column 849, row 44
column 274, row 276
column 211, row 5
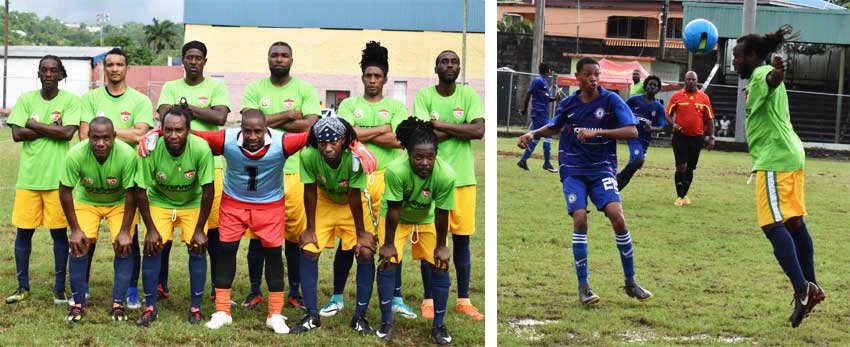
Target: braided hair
column 181, row 110
column 765, row 44
column 58, row 62
column 375, row 55
column 414, row 131
column 349, row 136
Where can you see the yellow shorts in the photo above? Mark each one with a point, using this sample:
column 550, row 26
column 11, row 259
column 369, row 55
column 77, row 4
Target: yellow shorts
column 375, row 187
column 89, row 217
column 296, row 221
column 333, row 220
column 462, row 218
column 779, row 196
column 38, row 207
column 218, row 184
column 166, row 219
column 423, row 239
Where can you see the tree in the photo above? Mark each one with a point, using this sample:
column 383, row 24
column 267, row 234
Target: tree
column 161, row 35
column 513, row 25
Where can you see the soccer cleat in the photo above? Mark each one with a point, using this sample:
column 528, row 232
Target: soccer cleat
column 427, row 311
column 686, row 201
column 549, row 167
column 679, row 202
column 219, row 319
column 803, row 306
column 522, row 165
column 362, row 326
column 634, row 290
column 469, row 310
column 331, row 308
column 148, row 317
column 162, row 293
column 296, row 302
column 75, row 314
column 307, row 323
column 277, row 323
column 195, row 316
column 401, row 308
column 440, row 335
column 60, row 298
column 118, row 314
column 252, row 300
column 19, row 295
column 385, row 332
column 133, row 301
column 586, row 295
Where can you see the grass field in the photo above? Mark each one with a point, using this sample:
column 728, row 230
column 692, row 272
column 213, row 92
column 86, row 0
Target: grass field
column 40, row 322
column 712, row 270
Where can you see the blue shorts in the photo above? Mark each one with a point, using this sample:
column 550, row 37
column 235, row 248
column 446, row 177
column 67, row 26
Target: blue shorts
column 637, row 149
column 601, row 188
column 539, row 120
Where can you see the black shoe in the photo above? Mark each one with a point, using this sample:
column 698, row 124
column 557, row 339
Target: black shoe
column 75, row 314
column 803, row 306
column 362, row 326
column 440, row 335
column 385, row 332
column 196, row 317
column 586, row 295
column 118, row 314
column 634, row 290
column 148, row 317
column 549, row 167
column 522, row 165
column 307, row 323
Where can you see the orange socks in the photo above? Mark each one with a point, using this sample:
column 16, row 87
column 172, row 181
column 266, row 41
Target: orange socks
column 222, row 300
column 275, row 303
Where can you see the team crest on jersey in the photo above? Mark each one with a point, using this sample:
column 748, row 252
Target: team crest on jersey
column 34, row 116
column 383, row 113
column 599, row 113
column 288, row 103
column 55, row 116
column 358, row 113
column 111, row 180
column 653, row 113
column 435, row 115
column 100, row 114
column 161, row 176
column 571, row 198
column 264, row 102
column 343, row 183
column 203, row 100
column 458, row 112
column 189, row 174
column 322, row 179
column 88, row 181
column 125, row 116
column 426, row 193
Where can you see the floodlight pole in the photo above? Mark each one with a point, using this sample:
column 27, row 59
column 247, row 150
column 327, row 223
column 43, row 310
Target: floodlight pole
column 748, row 26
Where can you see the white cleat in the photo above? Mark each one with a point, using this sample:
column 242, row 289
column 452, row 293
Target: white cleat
column 331, row 309
column 277, row 323
column 219, row 319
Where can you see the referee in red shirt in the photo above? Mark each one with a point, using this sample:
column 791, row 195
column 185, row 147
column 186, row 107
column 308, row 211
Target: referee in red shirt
column 689, row 110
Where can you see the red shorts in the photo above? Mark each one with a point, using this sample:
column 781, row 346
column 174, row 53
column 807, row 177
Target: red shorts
column 267, row 224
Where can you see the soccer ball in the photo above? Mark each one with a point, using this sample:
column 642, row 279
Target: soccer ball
column 700, row 36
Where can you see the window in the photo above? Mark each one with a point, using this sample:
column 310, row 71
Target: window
column 400, row 91
column 515, row 17
column 674, row 28
column 627, row 27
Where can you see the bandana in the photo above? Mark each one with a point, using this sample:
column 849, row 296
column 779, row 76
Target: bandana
column 329, row 129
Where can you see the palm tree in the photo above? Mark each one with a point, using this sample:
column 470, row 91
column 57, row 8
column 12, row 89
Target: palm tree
column 161, row 35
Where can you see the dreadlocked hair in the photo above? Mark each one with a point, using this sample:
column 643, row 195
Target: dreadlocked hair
column 181, row 110
column 375, row 55
column 414, row 131
column 58, row 62
column 349, row 136
column 765, row 44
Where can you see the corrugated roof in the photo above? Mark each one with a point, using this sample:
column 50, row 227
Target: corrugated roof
column 59, row 51
column 815, row 4
column 815, row 26
column 412, row 15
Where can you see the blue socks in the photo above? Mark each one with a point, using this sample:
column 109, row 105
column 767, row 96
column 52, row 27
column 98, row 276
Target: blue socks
column 529, row 150
column 365, row 280
column 151, row 264
column 342, row 266
column 78, row 278
column 462, row 264
column 580, row 255
column 309, row 282
column 805, row 251
column 386, row 281
column 440, row 289
column 547, row 150
column 23, row 249
column 121, row 280
column 197, row 277
column 293, row 257
column 61, row 248
column 425, row 269
column 255, row 265
column 627, row 257
column 163, row 272
column 136, row 254
column 786, row 254
column 397, row 291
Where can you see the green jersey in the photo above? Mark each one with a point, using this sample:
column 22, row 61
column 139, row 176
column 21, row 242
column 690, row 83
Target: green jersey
column 175, row 182
column 269, row 99
column 418, row 196
column 125, row 110
column 773, row 144
column 206, row 94
column 463, row 106
column 42, row 159
column 334, row 183
column 359, row 112
column 100, row 184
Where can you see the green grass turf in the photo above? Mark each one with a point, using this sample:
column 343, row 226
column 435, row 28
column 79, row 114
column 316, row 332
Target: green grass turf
column 712, row 270
column 40, row 322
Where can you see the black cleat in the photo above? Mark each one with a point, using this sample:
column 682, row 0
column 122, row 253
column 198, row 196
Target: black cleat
column 522, row 165
column 803, row 306
column 586, row 295
column 440, row 335
column 362, row 326
column 196, row 317
column 75, row 314
column 549, row 167
column 306, row 324
column 118, row 314
column 634, row 290
column 385, row 332
column 148, row 317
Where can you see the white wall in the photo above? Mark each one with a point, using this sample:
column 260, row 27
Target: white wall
column 23, row 77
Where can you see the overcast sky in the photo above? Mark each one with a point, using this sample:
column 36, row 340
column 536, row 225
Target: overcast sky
column 74, row 11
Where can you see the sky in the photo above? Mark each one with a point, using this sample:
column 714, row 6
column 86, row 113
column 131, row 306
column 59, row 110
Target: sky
column 76, row 11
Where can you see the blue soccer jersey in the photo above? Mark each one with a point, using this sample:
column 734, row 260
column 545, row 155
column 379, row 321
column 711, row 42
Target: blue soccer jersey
column 539, row 90
column 646, row 113
column 595, row 155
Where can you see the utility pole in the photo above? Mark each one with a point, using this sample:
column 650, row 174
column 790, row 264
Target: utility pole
column 662, row 38
column 102, row 18
column 748, row 26
column 539, row 33
column 463, row 62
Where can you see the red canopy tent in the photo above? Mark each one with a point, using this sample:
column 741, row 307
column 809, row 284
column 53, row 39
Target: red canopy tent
column 615, row 76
